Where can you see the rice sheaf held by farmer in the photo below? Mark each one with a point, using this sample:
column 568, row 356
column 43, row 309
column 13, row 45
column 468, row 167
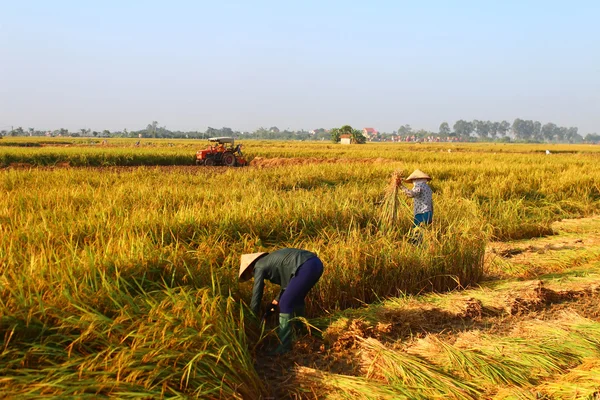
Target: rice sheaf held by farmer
column 296, row 271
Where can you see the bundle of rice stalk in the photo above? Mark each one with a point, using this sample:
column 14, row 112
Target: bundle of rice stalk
column 581, row 382
column 327, row 385
column 572, row 334
column 419, row 376
column 391, row 203
column 487, row 371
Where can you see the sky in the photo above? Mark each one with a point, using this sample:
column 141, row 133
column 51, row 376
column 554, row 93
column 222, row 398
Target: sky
column 297, row 65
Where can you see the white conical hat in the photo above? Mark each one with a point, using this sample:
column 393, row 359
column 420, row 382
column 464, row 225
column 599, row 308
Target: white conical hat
column 417, row 174
column 247, row 260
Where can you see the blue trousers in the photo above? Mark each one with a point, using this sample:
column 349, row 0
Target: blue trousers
column 425, row 218
column 305, row 278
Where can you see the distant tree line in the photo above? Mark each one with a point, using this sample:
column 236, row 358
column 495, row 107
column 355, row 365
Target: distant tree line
column 520, row 131
column 154, row 130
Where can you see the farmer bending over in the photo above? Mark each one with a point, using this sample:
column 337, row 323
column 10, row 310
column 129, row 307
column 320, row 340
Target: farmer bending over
column 422, row 196
column 296, row 271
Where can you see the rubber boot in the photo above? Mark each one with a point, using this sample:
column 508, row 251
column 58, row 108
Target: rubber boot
column 285, row 335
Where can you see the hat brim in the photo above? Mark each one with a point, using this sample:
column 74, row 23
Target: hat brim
column 247, row 261
column 417, row 174
column 414, row 179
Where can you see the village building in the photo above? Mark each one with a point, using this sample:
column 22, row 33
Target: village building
column 369, row 133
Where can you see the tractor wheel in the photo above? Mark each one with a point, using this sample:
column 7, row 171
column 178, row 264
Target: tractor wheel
column 228, row 159
column 199, row 162
column 209, row 162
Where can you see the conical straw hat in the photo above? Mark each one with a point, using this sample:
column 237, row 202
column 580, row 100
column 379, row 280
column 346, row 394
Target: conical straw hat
column 247, row 260
column 417, row 174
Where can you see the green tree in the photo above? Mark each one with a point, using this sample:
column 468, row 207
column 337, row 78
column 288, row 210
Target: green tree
column 503, row 128
column 592, row 138
column 463, row 128
column 482, row 128
column 572, row 136
column 519, row 129
column 444, row 129
column 548, row 131
column 358, row 137
column 17, row 132
column 494, row 129
column 405, row 130
column 335, row 135
column 537, row 130
column 151, row 128
column 523, row 129
column 529, row 127
column 212, row 132
column 346, row 130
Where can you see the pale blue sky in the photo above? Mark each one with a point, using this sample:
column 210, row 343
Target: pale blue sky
column 305, row 64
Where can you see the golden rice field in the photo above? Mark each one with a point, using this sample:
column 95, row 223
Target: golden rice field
column 118, row 268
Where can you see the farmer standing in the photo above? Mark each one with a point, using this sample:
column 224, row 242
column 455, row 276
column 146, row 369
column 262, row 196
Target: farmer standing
column 296, row 271
column 422, row 196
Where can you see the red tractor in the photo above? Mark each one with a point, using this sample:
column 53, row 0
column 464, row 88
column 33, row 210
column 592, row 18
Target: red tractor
column 224, row 152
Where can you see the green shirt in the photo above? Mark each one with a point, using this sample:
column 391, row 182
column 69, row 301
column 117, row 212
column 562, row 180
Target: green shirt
column 278, row 267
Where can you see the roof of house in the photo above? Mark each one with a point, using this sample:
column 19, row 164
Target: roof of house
column 345, row 136
column 370, row 130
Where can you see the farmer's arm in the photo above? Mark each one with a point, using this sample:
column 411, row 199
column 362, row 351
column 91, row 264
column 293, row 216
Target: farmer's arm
column 411, row 192
column 257, row 291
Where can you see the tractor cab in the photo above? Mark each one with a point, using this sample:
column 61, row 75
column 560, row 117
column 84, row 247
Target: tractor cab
column 222, row 143
column 221, row 151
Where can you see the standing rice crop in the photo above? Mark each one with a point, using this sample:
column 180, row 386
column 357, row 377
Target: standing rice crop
column 162, row 343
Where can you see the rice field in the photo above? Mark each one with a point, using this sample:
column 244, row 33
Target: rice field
column 118, row 266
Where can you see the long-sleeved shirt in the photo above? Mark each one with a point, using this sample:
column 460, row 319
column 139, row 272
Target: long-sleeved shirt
column 278, row 267
column 422, row 196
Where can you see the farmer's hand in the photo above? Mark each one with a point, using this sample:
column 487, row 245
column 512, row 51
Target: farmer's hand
column 270, row 311
column 275, row 302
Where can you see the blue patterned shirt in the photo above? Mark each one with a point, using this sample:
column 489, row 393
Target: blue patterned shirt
column 422, row 195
